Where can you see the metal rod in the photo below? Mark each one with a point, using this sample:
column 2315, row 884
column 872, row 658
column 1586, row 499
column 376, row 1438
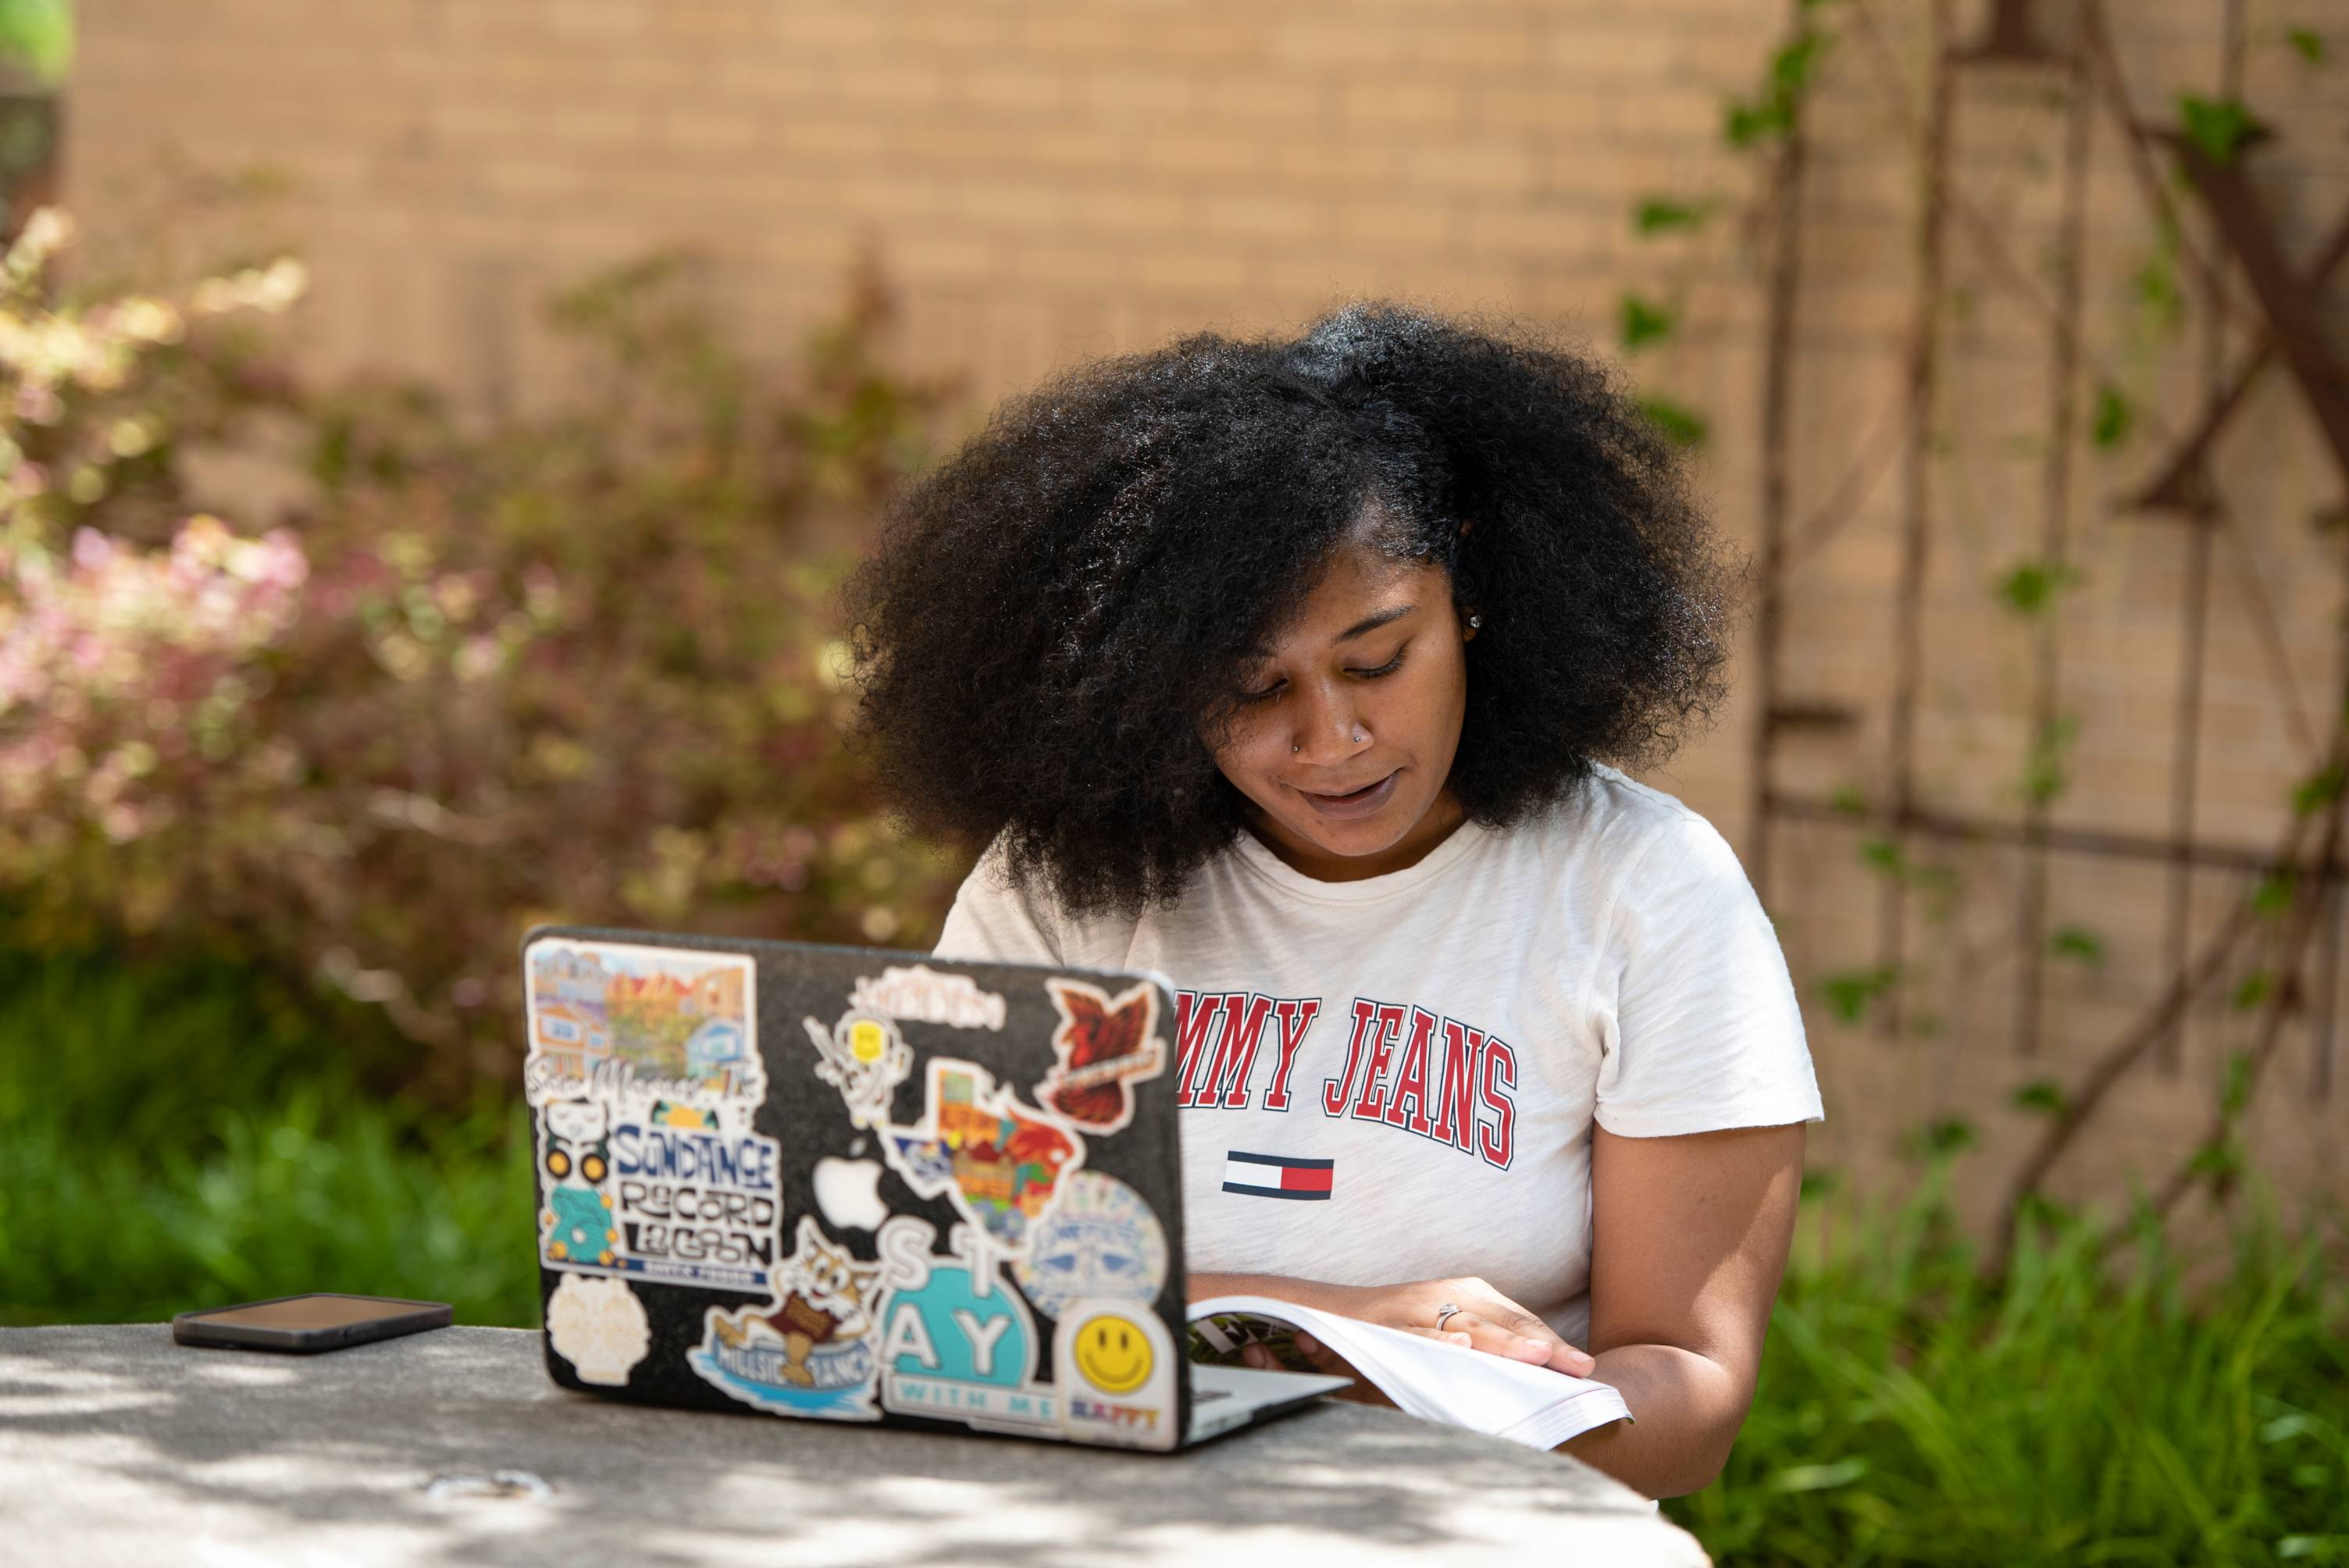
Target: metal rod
column 1960, row 827
column 2047, row 674
column 1908, row 614
column 1777, row 419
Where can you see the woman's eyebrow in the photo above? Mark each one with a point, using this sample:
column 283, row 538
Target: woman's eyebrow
column 1373, row 622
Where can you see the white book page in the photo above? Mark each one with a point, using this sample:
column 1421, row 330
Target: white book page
column 1485, row 1393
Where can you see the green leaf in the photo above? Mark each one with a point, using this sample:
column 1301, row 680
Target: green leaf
column 1944, row 1136
column 2217, row 127
column 2043, row 1096
column 2157, row 287
column 2251, row 990
column 2318, row 790
column 1745, row 125
column 2044, row 771
column 1848, row 995
column 1848, row 800
column 2110, row 426
column 2235, row 1091
column 2032, row 586
column 1645, row 322
column 2273, row 897
column 1882, row 854
column 1682, row 426
column 38, row 35
column 2219, row 1159
column 2284, row 1428
column 1794, row 64
column 2308, row 42
column 1817, row 1478
column 1660, row 214
column 2078, row 944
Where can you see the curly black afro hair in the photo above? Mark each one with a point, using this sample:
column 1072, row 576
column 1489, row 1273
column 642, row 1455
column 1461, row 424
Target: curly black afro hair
column 1057, row 616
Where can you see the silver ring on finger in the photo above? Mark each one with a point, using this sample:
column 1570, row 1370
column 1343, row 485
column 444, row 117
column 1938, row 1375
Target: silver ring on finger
column 1444, row 1315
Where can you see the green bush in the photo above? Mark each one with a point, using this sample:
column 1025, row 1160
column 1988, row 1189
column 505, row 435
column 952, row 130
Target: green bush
column 576, row 665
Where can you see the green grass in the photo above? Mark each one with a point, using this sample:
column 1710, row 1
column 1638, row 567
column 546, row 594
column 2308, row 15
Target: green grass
column 170, row 1138
column 1908, row 1413
column 175, row 1136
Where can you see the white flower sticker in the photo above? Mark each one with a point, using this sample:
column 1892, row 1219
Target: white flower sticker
column 599, row 1326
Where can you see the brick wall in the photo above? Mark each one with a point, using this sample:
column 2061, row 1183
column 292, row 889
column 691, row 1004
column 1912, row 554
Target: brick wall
column 1053, row 181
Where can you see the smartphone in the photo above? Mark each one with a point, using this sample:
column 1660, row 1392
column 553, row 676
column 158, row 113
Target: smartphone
column 306, row 1325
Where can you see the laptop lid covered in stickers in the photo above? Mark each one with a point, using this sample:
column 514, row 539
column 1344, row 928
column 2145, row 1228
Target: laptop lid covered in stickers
column 854, row 1185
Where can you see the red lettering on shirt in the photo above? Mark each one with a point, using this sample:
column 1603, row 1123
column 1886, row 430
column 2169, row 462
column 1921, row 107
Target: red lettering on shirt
column 1406, row 1067
column 1334, row 1091
column 1411, row 1076
column 1195, row 1016
column 1455, row 1109
column 1498, row 1143
column 1294, row 1016
column 1244, row 1019
column 1372, row 1104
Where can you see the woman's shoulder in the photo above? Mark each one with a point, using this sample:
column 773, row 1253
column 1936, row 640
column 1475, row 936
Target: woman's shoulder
column 998, row 914
column 1608, row 823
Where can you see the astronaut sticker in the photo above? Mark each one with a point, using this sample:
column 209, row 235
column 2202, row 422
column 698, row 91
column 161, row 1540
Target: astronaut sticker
column 863, row 1058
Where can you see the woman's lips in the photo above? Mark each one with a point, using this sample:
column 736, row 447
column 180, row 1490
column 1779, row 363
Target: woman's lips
column 1363, row 802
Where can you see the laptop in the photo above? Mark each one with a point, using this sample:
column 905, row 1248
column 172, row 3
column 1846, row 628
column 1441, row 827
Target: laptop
column 855, row 1184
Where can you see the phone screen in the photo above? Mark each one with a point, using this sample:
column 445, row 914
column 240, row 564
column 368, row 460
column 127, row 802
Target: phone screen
column 309, row 1312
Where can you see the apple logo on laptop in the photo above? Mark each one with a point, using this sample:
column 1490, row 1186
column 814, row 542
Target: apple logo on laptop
column 849, row 1193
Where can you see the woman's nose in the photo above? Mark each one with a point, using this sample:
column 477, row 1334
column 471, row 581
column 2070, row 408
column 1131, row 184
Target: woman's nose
column 1328, row 731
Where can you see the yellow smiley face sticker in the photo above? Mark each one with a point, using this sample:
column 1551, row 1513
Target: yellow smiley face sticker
column 866, row 1041
column 1113, row 1355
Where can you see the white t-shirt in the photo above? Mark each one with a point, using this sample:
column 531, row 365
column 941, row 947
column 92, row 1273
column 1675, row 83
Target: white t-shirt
column 1395, row 1078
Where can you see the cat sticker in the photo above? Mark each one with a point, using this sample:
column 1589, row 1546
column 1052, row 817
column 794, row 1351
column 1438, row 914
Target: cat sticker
column 807, row 1351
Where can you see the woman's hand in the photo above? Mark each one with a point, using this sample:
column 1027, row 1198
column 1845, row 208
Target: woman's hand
column 1487, row 1321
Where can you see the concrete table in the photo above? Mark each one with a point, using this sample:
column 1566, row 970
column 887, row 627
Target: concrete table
column 118, row 1446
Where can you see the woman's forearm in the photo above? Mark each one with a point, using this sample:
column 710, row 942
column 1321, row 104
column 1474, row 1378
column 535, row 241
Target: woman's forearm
column 1687, row 1407
column 1279, row 1287
column 1686, row 1411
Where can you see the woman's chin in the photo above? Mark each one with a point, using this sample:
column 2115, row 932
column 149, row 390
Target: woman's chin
column 1366, row 840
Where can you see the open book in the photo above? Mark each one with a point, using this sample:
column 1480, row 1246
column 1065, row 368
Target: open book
column 1485, row 1393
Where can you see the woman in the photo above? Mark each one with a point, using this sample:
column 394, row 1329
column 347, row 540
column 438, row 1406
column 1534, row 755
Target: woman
column 1297, row 670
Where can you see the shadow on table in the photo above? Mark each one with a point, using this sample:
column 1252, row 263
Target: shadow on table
column 270, row 1448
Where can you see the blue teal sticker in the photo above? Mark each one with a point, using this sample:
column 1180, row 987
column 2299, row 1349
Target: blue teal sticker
column 809, row 1350
column 956, row 1342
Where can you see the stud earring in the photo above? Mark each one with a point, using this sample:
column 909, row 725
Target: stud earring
column 1474, row 622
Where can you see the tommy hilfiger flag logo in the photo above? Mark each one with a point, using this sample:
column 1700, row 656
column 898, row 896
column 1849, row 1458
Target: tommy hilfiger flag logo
column 1276, row 1176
